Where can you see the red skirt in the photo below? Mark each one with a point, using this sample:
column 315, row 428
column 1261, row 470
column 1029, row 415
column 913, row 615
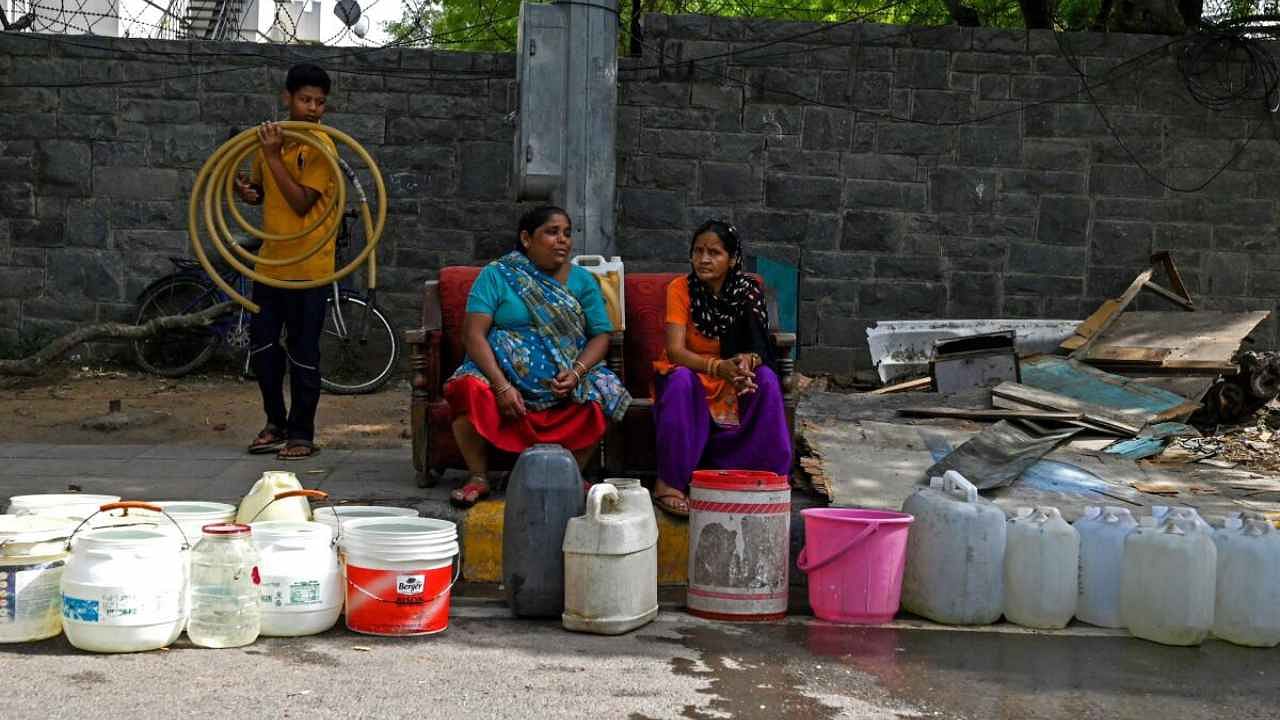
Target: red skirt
column 570, row 425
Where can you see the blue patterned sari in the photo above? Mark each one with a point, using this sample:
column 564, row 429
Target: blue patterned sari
column 532, row 357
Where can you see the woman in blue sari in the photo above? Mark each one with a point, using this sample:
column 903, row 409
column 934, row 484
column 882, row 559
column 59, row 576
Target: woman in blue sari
column 536, row 333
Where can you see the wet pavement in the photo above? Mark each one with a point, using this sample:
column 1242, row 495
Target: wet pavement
column 490, row 666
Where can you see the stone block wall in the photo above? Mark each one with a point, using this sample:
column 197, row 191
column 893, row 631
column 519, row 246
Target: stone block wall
column 910, row 173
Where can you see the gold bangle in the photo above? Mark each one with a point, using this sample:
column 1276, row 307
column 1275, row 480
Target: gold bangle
column 577, row 375
column 579, row 365
column 503, row 390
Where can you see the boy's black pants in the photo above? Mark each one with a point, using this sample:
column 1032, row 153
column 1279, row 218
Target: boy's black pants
column 301, row 314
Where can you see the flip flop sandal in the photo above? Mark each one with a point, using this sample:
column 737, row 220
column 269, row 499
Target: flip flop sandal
column 311, row 452
column 477, row 491
column 667, row 502
column 262, row 448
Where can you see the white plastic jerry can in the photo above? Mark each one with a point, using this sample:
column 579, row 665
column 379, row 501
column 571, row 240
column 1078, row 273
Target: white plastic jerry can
column 1247, row 605
column 260, row 504
column 611, row 275
column 611, row 561
column 1167, row 587
column 1041, row 567
column 955, row 554
column 1102, row 534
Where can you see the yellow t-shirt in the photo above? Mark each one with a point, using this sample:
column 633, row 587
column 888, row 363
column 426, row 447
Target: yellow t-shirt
column 312, row 171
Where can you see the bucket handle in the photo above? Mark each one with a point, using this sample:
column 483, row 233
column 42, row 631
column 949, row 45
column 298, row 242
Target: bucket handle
column 457, row 574
column 802, row 562
column 128, row 505
column 317, row 494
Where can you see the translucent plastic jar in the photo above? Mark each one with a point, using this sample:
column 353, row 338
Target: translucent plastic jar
column 225, row 608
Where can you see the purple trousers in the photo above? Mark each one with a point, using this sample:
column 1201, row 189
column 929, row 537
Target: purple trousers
column 687, row 439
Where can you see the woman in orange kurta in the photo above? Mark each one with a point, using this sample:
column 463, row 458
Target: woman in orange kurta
column 719, row 404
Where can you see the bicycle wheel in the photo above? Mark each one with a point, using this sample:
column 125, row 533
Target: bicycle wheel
column 353, row 362
column 175, row 353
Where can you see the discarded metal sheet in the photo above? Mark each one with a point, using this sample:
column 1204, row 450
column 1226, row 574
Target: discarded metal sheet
column 1137, row 448
column 1152, row 441
column 902, row 348
column 1138, row 402
column 973, row 362
column 999, row 454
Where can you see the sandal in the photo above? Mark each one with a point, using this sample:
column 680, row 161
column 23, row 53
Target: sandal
column 476, row 489
column 672, row 502
column 294, row 445
column 269, row 440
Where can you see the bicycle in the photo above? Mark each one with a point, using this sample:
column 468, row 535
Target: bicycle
column 351, row 363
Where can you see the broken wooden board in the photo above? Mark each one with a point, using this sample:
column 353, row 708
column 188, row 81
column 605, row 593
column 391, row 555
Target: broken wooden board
column 1016, row 396
column 1201, row 342
column 998, row 455
column 1087, row 329
column 872, row 464
column 989, row 414
column 1136, row 401
column 907, row 386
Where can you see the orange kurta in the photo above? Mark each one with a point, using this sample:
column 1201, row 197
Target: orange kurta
column 722, row 398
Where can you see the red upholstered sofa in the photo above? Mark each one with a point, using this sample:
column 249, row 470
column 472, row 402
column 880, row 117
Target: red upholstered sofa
column 435, row 351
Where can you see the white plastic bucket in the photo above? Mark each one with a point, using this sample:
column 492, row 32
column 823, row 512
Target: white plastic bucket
column 75, row 505
column 330, row 515
column 302, row 584
column 124, row 590
column 190, row 516
column 33, row 551
column 399, row 574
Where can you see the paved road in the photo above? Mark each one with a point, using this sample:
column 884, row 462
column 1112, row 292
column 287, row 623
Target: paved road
column 489, row 666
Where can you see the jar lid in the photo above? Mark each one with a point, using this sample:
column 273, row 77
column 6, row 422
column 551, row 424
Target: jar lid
column 226, row 529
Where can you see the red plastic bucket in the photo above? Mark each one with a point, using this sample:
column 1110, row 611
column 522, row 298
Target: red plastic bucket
column 400, row 574
column 739, row 545
column 854, row 559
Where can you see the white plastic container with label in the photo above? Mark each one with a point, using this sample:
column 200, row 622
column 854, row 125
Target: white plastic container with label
column 1168, row 583
column 302, row 586
column 955, row 554
column 124, row 590
column 1041, row 569
column 33, row 552
column 1247, row 605
column 1102, row 534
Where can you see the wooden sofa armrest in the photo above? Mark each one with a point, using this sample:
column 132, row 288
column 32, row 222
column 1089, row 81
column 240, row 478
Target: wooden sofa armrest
column 424, row 363
column 783, row 342
column 614, row 357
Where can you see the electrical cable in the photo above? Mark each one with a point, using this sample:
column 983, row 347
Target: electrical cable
column 1193, row 75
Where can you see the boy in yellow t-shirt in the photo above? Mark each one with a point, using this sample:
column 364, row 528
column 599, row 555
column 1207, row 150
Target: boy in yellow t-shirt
column 295, row 186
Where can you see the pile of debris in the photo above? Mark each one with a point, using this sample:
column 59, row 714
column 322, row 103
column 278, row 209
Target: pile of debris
column 1113, row 416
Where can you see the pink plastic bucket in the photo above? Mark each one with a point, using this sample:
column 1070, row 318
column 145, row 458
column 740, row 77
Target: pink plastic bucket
column 854, row 560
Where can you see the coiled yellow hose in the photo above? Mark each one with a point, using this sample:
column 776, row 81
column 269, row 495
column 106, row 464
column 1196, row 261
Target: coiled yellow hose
column 214, row 193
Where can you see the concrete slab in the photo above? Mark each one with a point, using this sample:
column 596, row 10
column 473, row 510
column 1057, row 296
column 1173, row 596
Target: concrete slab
column 11, row 451
column 71, row 470
column 193, row 452
column 91, row 453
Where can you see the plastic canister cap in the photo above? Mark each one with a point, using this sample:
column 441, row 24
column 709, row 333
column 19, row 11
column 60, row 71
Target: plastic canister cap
column 226, row 529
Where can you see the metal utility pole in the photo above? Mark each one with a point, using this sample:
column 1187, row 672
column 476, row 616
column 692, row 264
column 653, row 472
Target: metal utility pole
column 567, row 70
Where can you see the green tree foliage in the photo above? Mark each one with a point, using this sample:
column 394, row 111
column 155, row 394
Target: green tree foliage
column 490, row 25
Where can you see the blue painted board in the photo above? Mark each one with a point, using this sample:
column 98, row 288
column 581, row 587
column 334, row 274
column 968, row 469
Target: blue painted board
column 1080, row 382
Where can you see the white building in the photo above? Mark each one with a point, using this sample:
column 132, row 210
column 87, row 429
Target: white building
column 275, row 21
